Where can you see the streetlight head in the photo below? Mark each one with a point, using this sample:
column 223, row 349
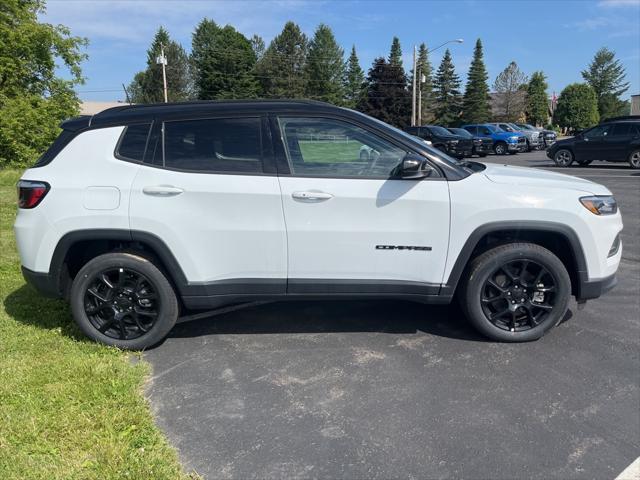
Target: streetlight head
column 459, row 40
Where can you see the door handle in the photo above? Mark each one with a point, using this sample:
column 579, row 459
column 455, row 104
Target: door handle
column 162, row 191
column 312, row 196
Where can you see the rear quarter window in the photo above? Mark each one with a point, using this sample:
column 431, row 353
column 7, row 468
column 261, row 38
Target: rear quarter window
column 133, row 142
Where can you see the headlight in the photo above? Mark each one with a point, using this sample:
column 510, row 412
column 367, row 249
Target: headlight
column 452, row 142
column 600, row 205
column 513, row 139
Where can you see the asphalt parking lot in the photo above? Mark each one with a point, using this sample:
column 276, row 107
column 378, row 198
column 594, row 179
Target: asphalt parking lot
column 398, row 390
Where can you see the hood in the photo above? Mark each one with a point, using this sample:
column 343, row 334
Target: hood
column 505, row 135
column 534, row 177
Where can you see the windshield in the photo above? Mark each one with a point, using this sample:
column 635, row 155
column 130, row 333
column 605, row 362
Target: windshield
column 525, row 126
column 440, row 131
column 514, row 126
column 461, row 131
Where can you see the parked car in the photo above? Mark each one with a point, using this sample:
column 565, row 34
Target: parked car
column 503, row 142
column 482, row 145
column 442, row 139
column 615, row 141
column 142, row 214
column 532, row 138
column 547, row 137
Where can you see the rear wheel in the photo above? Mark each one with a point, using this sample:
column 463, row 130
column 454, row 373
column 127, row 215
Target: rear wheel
column 515, row 292
column 563, row 157
column 634, row 159
column 124, row 300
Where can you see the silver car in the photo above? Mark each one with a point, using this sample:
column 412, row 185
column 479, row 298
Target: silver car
column 534, row 140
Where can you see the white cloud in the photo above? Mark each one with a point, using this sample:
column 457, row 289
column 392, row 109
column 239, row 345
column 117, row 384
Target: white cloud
column 619, row 3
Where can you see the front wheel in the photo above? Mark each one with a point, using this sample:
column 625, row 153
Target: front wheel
column 515, row 292
column 500, row 148
column 124, row 300
column 634, row 159
column 563, row 158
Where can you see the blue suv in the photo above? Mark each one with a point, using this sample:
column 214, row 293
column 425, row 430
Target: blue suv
column 503, row 142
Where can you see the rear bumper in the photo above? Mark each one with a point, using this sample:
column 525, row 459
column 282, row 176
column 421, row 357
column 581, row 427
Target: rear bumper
column 42, row 282
column 590, row 289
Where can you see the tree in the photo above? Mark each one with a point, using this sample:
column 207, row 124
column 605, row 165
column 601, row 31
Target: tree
column 281, row 69
column 611, row 106
column 147, row 86
column 224, row 62
column 257, row 44
column 425, row 71
column 33, row 99
column 475, row 105
column 354, row 81
column 448, row 102
column 386, row 97
column 510, row 94
column 395, row 55
column 325, row 68
column 606, row 76
column 577, row 107
column 537, row 100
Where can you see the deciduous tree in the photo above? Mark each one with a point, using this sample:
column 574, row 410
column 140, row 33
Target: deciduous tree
column 510, row 94
column 577, row 107
column 33, row 98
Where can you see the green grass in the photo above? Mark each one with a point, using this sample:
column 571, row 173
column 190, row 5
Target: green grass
column 69, row 408
column 327, row 151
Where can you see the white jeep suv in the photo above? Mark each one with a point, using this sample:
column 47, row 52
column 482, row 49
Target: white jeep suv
column 141, row 214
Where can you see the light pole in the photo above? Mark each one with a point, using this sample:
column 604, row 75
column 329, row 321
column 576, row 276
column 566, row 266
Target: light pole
column 418, row 117
column 162, row 60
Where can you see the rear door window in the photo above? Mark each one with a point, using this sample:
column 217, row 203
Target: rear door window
column 218, row 145
column 621, row 130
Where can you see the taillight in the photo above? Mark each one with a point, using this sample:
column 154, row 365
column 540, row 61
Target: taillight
column 31, row 193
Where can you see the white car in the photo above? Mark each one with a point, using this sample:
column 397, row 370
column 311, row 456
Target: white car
column 141, row 214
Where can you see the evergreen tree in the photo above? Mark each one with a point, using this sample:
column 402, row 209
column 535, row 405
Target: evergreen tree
column 537, row 100
column 281, row 69
column 426, row 98
column 147, row 86
column 448, row 101
column 475, row 105
column 606, row 76
column 354, row 81
column 386, row 97
column 511, row 95
column 395, row 56
column 325, row 68
column 577, row 107
column 224, row 60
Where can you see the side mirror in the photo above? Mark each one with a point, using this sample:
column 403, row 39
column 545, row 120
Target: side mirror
column 413, row 167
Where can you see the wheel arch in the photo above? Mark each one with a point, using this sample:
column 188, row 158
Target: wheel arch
column 76, row 248
column 560, row 239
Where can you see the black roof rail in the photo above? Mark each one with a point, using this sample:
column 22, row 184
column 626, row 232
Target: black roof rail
column 621, row 118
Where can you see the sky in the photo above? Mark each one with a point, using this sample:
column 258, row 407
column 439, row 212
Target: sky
column 557, row 37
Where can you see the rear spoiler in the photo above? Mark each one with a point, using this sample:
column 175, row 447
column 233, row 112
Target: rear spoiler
column 76, row 123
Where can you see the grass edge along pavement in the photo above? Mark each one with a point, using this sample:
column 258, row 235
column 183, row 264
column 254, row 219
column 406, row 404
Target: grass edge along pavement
column 69, row 408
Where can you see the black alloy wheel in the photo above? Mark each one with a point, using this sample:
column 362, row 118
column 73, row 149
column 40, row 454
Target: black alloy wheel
column 121, row 303
column 519, row 295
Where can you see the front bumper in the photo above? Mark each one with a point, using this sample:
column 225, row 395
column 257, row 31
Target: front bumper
column 515, row 147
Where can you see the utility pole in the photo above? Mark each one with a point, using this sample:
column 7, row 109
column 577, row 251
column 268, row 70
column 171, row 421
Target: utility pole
column 413, row 97
column 163, row 61
column 421, row 80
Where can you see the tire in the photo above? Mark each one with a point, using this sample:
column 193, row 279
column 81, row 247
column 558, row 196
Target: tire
column 123, row 300
column 500, row 148
column 528, row 148
column 634, row 159
column 563, row 158
column 526, row 320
